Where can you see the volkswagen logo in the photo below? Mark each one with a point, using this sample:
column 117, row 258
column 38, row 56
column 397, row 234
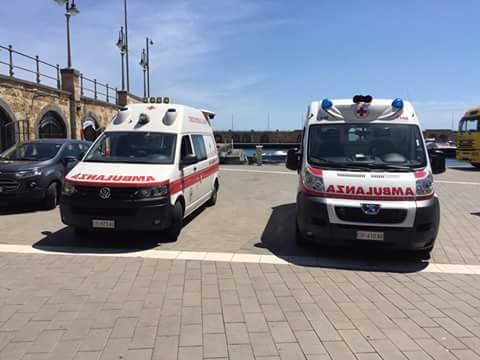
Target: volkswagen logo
column 105, row 193
column 370, row 209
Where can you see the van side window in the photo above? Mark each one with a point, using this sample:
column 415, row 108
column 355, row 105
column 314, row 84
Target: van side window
column 199, row 146
column 186, row 148
column 210, row 145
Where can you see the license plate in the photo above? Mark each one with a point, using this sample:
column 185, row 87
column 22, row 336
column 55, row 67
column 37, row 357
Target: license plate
column 370, row 235
column 103, row 224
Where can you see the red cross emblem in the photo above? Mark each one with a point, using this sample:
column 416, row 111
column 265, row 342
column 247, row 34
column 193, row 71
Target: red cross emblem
column 361, row 112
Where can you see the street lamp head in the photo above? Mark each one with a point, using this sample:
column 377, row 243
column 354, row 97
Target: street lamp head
column 61, row 2
column 121, row 40
column 73, row 9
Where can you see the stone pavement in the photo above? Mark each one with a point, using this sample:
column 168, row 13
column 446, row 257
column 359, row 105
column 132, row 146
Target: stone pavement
column 58, row 306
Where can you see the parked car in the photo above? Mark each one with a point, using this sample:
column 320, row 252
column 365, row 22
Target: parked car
column 33, row 171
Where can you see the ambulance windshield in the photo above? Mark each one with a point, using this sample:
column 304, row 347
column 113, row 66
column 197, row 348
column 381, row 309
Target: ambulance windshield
column 133, row 147
column 371, row 146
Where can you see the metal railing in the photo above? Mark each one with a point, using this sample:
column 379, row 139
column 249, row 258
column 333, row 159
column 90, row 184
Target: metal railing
column 31, row 65
column 94, row 89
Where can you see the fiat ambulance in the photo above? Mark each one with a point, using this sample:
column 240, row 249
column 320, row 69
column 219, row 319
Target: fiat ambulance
column 365, row 176
column 155, row 164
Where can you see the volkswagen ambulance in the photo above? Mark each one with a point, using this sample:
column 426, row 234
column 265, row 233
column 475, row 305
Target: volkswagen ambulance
column 155, row 164
column 365, row 176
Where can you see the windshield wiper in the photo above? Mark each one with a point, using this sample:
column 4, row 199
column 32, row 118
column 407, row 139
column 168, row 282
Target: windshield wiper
column 388, row 166
column 339, row 166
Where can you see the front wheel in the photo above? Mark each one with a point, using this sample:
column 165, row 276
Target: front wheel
column 213, row 198
column 299, row 238
column 177, row 221
column 51, row 197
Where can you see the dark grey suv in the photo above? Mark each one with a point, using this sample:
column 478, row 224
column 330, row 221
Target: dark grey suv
column 32, row 172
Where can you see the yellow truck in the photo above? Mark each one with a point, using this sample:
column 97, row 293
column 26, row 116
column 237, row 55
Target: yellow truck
column 468, row 137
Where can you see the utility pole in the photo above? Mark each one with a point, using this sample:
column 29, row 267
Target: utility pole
column 232, row 121
column 148, row 43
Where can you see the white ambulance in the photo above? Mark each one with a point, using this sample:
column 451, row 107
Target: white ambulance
column 155, row 164
column 366, row 176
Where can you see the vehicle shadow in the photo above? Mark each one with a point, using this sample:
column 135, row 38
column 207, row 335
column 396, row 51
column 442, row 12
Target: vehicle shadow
column 66, row 240
column 464, row 168
column 279, row 238
column 17, row 210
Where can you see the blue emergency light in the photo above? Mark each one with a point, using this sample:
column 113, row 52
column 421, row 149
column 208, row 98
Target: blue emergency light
column 397, row 104
column 326, row 104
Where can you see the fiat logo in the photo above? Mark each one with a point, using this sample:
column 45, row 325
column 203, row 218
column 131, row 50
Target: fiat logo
column 370, row 209
column 105, row 193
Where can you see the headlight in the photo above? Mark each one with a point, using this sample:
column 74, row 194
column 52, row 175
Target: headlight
column 68, row 189
column 425, row 186
column 152, row 192
column 313, row 182
column 28, row 173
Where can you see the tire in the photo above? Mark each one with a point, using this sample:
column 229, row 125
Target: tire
column 80, row 232
column 476, row 165
column 177, row 221
column 213, row 198
column 424, row 254
column 299, row 238
column 51, row 197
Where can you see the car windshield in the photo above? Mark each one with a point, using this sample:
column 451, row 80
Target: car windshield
column 371, row 146
column 470, row 124
column 36, row 151
column 133, row 147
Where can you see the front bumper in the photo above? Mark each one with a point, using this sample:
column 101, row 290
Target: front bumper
column 20, row 192
column 314, row 225
column 127, row 215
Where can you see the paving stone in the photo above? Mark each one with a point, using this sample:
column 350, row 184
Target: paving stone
column 355, row 341
column 190, row 353
column 46, row 341
column 290, row 351
column 256, row 322
column 115, row 349
column 338, row 350
column 262, row 344
column 144, row 337
column 214, row 346
column 95, row 340
column 237, row 333
column 166, row 348
column 240, row 352
column 139, row 354
column 281, row 332
column 309, row 342
column 124, row 328
column 191, row 335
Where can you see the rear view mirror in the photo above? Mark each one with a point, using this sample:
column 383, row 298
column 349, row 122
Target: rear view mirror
column 437, row 161
column 189, row 159
column 293, row 160
column 69, row 160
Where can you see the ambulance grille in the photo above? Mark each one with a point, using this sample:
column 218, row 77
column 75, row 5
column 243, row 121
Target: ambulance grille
column 385, row 216
column 91, row 192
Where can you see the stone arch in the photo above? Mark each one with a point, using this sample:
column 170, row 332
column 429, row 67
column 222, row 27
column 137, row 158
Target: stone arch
column 51, row 123
column 8, row 135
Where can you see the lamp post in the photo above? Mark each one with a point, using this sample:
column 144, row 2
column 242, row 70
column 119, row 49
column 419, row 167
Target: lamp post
column 126, row 44
column 143, row 63
column 70, row 10
column 122, row 46
column 148, row 43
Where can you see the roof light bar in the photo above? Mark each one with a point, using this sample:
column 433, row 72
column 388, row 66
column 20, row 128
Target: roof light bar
column 397, row 104
column 326, row 104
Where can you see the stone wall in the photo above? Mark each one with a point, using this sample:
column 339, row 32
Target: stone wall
column 25, row 103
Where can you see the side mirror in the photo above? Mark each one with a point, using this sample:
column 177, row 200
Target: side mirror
column 188, row 160
column 437, row 161
column 293, row 160
column 67, row 160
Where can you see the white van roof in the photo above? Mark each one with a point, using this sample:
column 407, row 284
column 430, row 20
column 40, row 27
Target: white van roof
column 376, row 110
column 170, row 118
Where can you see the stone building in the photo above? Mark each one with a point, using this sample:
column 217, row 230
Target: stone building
column 30, row 110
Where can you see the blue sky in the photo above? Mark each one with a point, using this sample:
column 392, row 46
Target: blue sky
column 250, row 58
